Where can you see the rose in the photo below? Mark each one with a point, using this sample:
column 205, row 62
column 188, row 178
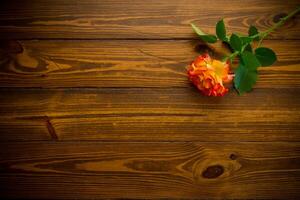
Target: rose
column 208, row 75
column 209, row 79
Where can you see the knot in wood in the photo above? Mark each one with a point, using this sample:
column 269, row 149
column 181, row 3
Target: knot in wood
column 11, row 46
column 233, row 156
column 213, row 171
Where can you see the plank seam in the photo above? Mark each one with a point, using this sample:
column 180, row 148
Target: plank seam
column 132, row 39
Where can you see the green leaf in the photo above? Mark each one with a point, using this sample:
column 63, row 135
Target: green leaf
column 205, row 37
column 249, row 60
column 244, row 79
column 235, row 42
column 246, row 40
column 246, row 74
column 221, row 31
column 253, row 31
column 265, row 56
column 248, row 48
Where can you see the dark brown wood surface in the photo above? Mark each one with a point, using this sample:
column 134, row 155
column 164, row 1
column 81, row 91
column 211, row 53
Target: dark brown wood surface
column 142, row 170
column 149, row 114
column 125, row 63
column 95, row 19
column 95, row 103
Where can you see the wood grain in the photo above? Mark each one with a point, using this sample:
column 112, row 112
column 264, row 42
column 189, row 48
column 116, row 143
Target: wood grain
column 95, row 103
column 24, row 130
column 149, row 170
column 174, row 114
column 130, row 63
column 139, row 19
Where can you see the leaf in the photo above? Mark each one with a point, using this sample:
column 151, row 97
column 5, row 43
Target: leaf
column 265, row 56
column 205, row 37
column 249, row 60
column 221, row 31
column 244, row 79
column 235, row 42
column 246, row 40
column 248, row 48
column 246, row 74
column 253, row 31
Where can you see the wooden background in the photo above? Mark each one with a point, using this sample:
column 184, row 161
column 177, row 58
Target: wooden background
column 95, row 103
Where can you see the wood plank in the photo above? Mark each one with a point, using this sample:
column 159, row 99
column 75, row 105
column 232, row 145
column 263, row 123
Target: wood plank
column 139, row 19
column 139, row 114
column 133, row 63
column 24, row 130
column 149, row 170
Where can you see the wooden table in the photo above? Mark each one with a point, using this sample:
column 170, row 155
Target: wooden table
column 95, row 103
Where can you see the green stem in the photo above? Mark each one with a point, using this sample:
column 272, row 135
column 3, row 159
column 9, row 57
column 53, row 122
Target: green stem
column 231, row 56
column 282, row 20
column 264, row 34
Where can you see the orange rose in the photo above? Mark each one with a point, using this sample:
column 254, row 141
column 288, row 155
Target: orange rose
column 208, row 75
